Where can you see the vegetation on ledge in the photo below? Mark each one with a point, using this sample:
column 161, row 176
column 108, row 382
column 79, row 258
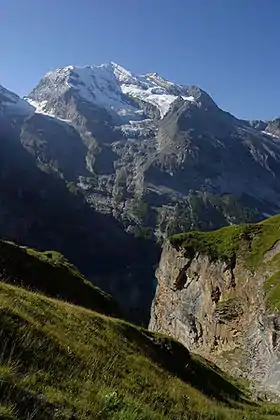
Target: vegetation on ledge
column 248, row 241
column 222, row 244
column 272, row 289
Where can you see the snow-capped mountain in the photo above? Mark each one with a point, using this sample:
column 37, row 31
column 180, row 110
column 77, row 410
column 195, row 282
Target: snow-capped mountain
column 152, row 153
column 112, row 87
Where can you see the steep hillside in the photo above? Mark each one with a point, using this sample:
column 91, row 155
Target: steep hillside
column 50, row 273
column 60, row 361
column 219, row 294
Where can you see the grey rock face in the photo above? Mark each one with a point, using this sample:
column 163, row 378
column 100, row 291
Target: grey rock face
column 219, row 312
column 162, row 147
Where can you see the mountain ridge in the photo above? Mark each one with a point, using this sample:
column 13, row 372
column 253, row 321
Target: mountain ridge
column 130, row 136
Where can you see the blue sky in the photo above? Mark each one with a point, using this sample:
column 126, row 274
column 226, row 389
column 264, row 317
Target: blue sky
column 230, row 48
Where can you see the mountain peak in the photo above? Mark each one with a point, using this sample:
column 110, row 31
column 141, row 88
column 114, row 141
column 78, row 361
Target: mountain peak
column 116, row 66
column 108, row 86
column 152, row 74
column 122, row 75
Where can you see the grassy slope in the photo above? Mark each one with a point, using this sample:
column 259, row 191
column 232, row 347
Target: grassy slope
column 247, row 242
column 60, row 361
column 50, row 273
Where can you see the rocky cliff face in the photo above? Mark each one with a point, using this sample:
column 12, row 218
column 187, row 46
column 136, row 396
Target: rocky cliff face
column 218, row 293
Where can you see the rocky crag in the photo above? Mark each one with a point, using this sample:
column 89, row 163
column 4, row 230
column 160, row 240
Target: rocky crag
column 218, row 293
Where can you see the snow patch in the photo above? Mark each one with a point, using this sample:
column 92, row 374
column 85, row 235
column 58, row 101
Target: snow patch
column 39, row 106
column 270, row 134
column 134, row 129
column 161, row 100
column 109, row 86
column 40, row 109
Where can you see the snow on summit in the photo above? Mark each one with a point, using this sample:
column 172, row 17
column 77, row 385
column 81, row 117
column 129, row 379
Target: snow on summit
column 109, row 86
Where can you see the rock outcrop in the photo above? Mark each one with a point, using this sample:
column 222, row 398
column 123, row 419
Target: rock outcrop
column 218, row 294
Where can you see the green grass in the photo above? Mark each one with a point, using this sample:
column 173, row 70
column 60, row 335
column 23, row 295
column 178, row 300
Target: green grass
column 269, row 234
column 60, row 361
column 222, row 244
column 249, row 243
column 272, row 284
column 7, row 412
column 272, row 289
column 50, row 273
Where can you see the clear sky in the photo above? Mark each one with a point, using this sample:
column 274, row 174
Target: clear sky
column 230, row 48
